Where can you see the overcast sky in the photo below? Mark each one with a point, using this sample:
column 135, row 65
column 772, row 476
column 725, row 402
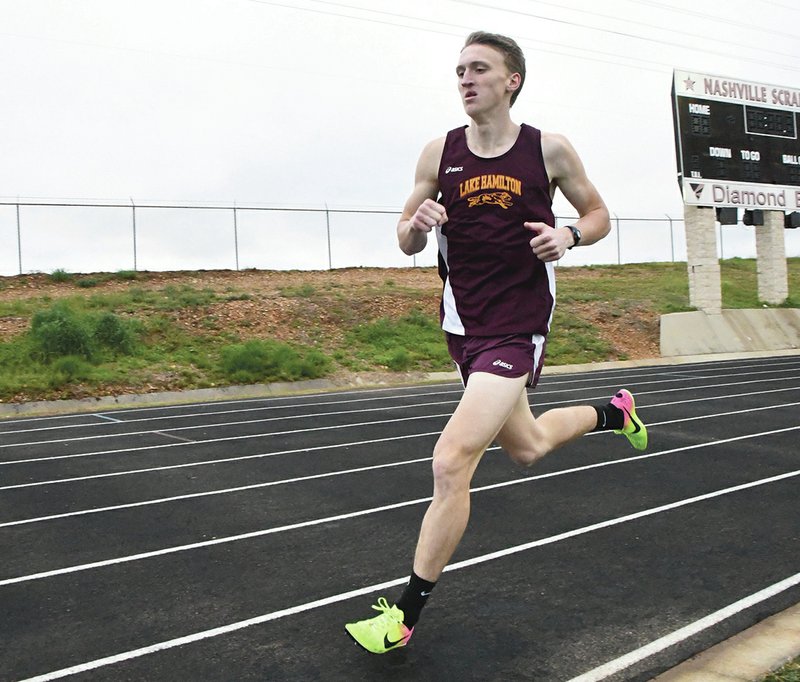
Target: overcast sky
column 305, row 102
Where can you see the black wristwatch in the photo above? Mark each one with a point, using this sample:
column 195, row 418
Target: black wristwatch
column 576, row 235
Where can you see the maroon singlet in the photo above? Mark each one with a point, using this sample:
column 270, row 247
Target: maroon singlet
column 493, row 283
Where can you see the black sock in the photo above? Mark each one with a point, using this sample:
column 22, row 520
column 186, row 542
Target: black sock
column 609, row 417
column 413, row 599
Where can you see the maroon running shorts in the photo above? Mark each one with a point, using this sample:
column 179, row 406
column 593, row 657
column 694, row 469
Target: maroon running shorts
column 511, row 355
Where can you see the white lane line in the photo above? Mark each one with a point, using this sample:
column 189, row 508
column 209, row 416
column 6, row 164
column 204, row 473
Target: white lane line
column 223, row 491
column 405, row 392
column 300, row 450
column 214, row 632
column 712, row 416
column 245, row 401
column 344, row 412
column 241, row 458
column 294, row 610
column 398, row 505
column 72, row 426
column 619, row 664
column 254, row 409
column 256, row 486
column 174, row 437
column 340, row 402
column 199, row 427
column 727, row 396
column 537, row 405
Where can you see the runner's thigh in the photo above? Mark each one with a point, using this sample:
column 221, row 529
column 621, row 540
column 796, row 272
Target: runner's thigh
column 487, row 402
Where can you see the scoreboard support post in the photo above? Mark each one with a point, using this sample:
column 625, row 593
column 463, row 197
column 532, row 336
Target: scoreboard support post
column 773, row 275
column 705, row 290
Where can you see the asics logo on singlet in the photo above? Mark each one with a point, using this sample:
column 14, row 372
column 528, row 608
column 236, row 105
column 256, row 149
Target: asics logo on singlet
column 504, row 365
column 453, row 169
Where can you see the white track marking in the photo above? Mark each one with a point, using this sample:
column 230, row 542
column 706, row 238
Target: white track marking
column 332, row 403
column 294, row 610
column 241, row 458
column 404, row 392
column 255, row 486
column 622, row 519
column 198, row 427
column 266, row 435
column 99, row 416
column 619, row 664
column 223, row 491
column 251, row 409
column 317, row 448
column 336, row 413
column 399, row 505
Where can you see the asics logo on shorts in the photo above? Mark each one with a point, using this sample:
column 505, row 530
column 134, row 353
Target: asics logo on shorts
column 504, row 365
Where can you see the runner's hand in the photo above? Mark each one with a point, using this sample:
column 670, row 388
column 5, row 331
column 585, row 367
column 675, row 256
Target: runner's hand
column 427, row 216
column 548, row 244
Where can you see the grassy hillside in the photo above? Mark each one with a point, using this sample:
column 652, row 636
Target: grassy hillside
column 65, row 335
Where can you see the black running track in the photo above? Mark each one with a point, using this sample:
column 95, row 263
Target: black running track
column 233, row 540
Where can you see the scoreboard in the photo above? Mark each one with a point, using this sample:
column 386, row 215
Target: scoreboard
column 737, row 142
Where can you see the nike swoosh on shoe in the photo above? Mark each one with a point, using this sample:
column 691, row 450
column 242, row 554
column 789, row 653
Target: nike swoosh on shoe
column 388, row 644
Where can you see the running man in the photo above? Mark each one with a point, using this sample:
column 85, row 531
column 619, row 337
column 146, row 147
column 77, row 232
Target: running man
column 486, row 189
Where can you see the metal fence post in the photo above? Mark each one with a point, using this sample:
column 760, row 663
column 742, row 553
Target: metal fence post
column 671, row 237
column 135, row 263
column 619, row 247
column 328, row 230
column 19, row 242
column 235, row 238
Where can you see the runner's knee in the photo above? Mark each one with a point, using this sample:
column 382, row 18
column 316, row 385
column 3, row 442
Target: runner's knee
column 528, row 455
column 452, row 466
column 527, row 446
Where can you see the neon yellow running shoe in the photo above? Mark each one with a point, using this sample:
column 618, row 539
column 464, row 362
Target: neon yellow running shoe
column 633, row 428
column 381, row 633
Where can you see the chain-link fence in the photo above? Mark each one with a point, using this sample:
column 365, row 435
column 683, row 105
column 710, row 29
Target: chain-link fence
column 40, row 236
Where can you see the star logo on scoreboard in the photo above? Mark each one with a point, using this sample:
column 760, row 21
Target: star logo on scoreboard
column 689, row 83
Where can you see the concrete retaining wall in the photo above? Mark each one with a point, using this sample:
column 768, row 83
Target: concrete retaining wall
column 730, row 331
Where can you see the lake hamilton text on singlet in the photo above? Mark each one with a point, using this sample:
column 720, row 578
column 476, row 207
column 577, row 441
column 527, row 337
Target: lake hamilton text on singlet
column 479, row 182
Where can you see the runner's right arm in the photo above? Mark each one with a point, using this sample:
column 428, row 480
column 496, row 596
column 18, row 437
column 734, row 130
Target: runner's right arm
column 421, row 213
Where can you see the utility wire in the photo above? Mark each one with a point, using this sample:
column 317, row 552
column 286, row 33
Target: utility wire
column 531, row 43
column 618, row 33
column 714, row 17
column 704, row 37
column 778, row 4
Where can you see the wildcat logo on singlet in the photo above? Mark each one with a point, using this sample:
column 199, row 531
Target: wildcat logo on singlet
column 503, row 198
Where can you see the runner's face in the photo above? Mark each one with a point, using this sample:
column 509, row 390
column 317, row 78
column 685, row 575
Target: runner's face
column 483, row 79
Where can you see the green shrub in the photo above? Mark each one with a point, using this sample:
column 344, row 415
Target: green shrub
column 115, row 333
column 397, row 360
column 414, row 341
column 260, row 361
column 178, row 297
column 301, row 291
column 70, row 368
column 60, row 331
column 60, row 275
